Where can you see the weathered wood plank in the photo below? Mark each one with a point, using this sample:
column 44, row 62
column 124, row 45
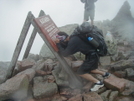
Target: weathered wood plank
column 31, row 40
column 20, row 43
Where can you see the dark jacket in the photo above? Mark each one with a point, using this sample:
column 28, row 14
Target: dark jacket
column 75, row 44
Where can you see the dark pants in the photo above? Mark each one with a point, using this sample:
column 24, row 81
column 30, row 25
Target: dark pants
column 90, row 63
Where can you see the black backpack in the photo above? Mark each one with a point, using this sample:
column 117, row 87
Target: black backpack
column 85, row 30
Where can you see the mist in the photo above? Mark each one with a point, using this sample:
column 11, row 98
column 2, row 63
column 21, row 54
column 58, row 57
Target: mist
column 63, row 12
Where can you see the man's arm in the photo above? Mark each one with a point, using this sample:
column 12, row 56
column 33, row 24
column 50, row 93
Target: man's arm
column 69, row 50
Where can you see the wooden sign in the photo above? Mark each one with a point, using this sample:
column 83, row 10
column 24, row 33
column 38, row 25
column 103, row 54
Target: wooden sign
column 48, row 28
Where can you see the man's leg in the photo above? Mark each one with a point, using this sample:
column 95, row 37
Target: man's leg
column 92, row 22
column 92, row 14
column 86, row 16
column 98, row 84
column 96, row 71
column 89, row 78
column 104, row 74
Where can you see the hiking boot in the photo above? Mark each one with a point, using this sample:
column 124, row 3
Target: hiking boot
column 106, row 75
column 97, row 86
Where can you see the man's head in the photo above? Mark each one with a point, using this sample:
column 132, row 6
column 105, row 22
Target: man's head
column 63, row 39
column 62, row 36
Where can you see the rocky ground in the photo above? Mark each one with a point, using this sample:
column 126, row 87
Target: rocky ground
column 39, row 79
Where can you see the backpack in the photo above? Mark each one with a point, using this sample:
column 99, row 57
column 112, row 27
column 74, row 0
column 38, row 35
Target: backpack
column 85, row 30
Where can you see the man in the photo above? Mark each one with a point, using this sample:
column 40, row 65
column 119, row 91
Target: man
column 74, row 44
column 89, row 10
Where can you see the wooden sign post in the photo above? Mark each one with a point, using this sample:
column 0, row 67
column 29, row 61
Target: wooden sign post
column 48, row 30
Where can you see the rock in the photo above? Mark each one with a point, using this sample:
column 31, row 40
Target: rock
column 123, row 98
column 129, row 89
column 40, row 65
column 42, row 73
column 120, row 74
column 29, row 72
column 76, row 98
column 88, row 86
column 50, row 79
column 35, row 57
column 25, row 64
column 49, row 64
column 113, row 95
column 115, row 83
column 42, row 89
column 68, row 28
column 115, row 57
column 111, row 43
column 130, row 72
column 61, row 79
column 65, row 91
column 101, row 90
column 105, row 95
column 92, row 96
column 45, row 52
column 16, row 88
column 121, row 65
column 4, row 71
column 106, row 60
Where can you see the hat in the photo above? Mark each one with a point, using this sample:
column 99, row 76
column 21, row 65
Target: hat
column 61, row 36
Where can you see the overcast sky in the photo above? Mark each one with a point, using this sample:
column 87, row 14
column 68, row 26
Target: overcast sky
column 63, row 12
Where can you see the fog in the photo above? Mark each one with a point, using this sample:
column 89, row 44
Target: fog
column 63, row 12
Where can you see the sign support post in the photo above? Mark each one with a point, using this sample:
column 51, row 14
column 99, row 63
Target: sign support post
column 48, row 30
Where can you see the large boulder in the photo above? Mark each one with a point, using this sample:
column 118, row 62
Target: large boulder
column 16, row 88
column 42, row 88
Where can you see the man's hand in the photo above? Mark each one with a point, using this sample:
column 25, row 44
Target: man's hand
column 56, row 40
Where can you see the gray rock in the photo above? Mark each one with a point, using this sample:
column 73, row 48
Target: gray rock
column 42, row 88
column 4, row 71
column 130, row 72
column 106, row 60
column 35, row 57
column 113, row 95
column 105, row 95
column 16, row 88
column 45, row 52
column 60, row 77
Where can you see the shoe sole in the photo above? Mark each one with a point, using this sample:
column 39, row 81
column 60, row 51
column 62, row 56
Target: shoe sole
column 100, row 86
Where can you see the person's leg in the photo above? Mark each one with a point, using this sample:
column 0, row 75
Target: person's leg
column 86, row 16
column 91, row 14
column 97, row 84
column 89, row 78
column 104, row 74
column 88, row 65
column 96, row 71
column 92, row 22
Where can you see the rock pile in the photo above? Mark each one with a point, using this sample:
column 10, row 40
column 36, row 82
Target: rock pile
column 38, row 79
